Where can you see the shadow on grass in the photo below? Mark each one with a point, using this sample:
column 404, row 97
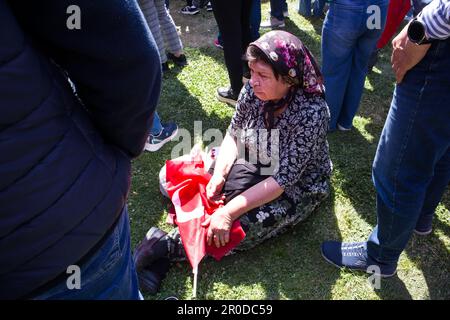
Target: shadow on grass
column 289, row 266
column 352, row 156
column 179, row 105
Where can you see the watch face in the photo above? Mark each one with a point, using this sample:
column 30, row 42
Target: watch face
column 416, row 31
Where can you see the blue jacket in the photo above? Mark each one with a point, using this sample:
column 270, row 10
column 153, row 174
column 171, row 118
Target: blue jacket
column 65, row 158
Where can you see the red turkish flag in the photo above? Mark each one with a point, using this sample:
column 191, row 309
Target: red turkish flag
column 186, row 186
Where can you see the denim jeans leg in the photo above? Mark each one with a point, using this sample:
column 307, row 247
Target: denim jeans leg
column 157, row 126
column 318, row 7
column 255, row 19
column 364, row 47
column 109, row 274
column 304, row 7
column 340, row 33
column 276, row 9
column 414, row 141
column 436, row 189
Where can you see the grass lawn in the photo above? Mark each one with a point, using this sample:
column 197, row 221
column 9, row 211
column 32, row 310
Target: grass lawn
column 290, row 266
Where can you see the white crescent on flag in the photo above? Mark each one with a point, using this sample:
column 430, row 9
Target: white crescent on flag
column 189, row 210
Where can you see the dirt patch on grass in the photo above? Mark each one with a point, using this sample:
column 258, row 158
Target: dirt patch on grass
column 197, row 30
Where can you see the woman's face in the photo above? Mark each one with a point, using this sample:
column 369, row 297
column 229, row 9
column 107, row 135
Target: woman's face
column 264, row 83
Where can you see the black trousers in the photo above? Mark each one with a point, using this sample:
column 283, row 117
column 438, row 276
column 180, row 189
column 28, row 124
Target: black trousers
column 233, row 20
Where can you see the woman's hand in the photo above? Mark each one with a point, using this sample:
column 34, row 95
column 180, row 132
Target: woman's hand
column 214, row 187
column 219, row 226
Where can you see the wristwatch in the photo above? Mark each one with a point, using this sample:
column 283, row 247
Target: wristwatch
column 416, row 32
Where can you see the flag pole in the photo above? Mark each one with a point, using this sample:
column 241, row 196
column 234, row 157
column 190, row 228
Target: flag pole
column 194, row 289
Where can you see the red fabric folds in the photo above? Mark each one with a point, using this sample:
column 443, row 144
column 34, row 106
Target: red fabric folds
column 186, row 186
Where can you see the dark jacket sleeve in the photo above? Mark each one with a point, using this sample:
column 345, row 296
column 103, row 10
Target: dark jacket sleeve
column 112, row 60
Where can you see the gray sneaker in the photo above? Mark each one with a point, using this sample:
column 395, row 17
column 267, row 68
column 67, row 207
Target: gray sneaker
column 273, row 23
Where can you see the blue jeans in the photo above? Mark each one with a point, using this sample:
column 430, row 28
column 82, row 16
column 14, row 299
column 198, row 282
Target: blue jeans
column 411, row 169
column 255, row 19
column 108, row 274
column 304, row 7
column 347, row 44
column 157, row 126
column 277, row 7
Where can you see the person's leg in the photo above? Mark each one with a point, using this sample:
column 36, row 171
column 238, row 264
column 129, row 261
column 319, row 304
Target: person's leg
column 274, row 218
column 157, row 126
column 285, row 9
column 168, row 29
column 414, row 141
column 109, row 273
column 304, row 7
column 151, row 16
column 435, row 191
column 255, row 19
column 160, row 134
column 364, row 47
column 227, row 13
column 276, row 19
column 276, row 9
column 318, row 8
column 340, row 33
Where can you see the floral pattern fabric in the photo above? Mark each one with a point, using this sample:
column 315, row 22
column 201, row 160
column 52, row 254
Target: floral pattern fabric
column 303, row 166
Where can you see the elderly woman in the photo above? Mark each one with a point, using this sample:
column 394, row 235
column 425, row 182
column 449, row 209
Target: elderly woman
column 283, row 99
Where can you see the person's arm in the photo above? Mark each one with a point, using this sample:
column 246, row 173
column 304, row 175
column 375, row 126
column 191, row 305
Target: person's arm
column 229, row 150
column 436, row 18
column 112, row 60
column 221, row 221
column 406, row 54
column 227, row 156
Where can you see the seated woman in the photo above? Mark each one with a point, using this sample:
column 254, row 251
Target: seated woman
column 284, row 98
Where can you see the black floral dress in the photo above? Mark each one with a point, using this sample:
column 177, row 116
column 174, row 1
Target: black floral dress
column 302, row 167
column 298, row 154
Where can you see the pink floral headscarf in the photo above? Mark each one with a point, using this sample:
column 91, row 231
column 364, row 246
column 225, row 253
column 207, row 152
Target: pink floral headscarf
column 292, row 60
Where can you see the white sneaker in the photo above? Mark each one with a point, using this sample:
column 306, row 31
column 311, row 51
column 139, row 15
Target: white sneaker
column 273, row 23
column 341, row 128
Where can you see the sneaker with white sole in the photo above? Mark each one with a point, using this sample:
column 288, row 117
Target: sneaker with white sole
column 341, row 128
column 154, row 143
column 353, row 255
column 273, row 23
column 190, row 10
column 227, row 95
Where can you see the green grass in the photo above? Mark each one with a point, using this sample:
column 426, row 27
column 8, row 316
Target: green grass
column 291, row 266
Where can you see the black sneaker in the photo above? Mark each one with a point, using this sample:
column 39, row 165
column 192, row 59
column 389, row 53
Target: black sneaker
column 165, row 67
column 209, row 6
column 227, row 95
column 179, row 61
column 154, row 143
column 190, row 10
column 150, row 278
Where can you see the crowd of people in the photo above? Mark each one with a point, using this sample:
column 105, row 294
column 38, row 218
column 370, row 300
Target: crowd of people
column 78, row 105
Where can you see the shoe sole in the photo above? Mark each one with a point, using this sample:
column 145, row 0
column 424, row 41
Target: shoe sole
column 362, row 270
column 274, row 27
column 226, row 100
column 155, row 147
column 423, row 233
column 189, row 13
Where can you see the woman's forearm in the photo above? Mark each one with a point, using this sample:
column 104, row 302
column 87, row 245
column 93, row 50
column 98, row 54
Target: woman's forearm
column 261, row 193
column 227, row 156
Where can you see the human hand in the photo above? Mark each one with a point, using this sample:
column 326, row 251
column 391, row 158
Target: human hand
column 214, row 187
column 405, row 54
column 219, row 226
